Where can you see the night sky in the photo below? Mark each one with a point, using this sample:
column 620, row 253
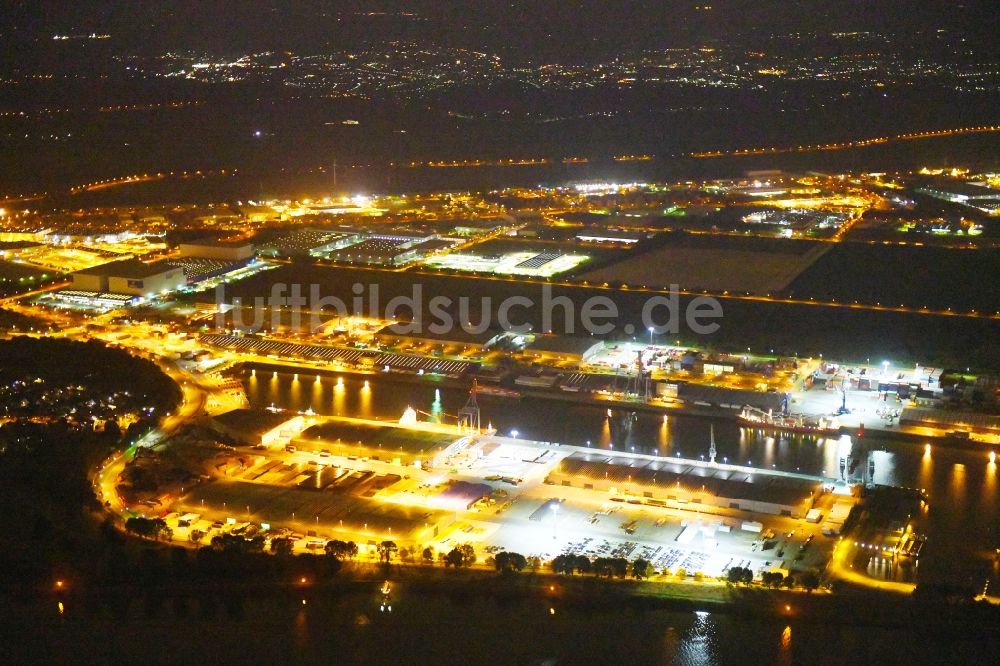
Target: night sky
column 536, row 30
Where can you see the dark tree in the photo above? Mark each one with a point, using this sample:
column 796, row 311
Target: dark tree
column 562, row 564
column 507, row 562
column 809, row 580
column 341, row 549
column 112, row 431
column 642, row 569
column 387, row 550
column 468, row 554
column 772, row 578
column 453, row 558
column 281, row 546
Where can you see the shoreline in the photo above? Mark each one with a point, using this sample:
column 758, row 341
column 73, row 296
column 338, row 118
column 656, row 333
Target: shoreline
column 680, row 409
column 851, row 607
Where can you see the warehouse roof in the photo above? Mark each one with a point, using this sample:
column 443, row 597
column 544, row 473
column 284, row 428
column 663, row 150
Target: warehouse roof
column 251, row 421
column 563, row 344
column 130, row 268
column 454, row 334
column 719, row 480
column 217, row 242
column 386, row 437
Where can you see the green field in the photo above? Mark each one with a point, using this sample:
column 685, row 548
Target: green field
column 16, row 278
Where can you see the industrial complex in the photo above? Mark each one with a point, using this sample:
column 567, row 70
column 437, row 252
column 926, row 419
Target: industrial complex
column 430, row 484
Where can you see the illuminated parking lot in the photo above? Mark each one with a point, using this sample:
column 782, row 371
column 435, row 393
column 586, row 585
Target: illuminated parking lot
column 534, row 264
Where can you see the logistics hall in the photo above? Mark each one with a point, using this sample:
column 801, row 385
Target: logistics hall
column 689, row 482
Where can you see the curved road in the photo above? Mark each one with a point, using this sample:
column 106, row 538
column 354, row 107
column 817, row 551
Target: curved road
column 194, row 397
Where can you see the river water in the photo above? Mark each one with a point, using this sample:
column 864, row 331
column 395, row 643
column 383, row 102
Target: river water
column 428, row 628
column 469, row 626
column 962, row 522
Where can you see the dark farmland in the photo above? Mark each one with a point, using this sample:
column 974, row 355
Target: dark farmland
column 804, row 330
column 934, row 277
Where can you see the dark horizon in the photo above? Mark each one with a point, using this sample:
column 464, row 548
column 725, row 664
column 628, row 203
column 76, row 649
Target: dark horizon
column 106, row 90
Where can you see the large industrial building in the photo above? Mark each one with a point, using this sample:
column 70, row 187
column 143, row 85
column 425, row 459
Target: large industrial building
column 389, row 250
column 95, row 299
column 232, row 251
column 563, row 347
column 307, row 241
column 689, row 483
column 258, row 427
column 131, row 277
column 610, row 237
column 457, row 336
column 973, row 194
column 401, row 446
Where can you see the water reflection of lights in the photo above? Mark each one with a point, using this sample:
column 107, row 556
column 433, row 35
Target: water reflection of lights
column 338, row 397
column 696, row 644
column 990, row 490
column 926, row 468
column 605, row 440
column 769, row 442
column 958, row 481
column 844, row 446
column 315, row 395
column 366, row 400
